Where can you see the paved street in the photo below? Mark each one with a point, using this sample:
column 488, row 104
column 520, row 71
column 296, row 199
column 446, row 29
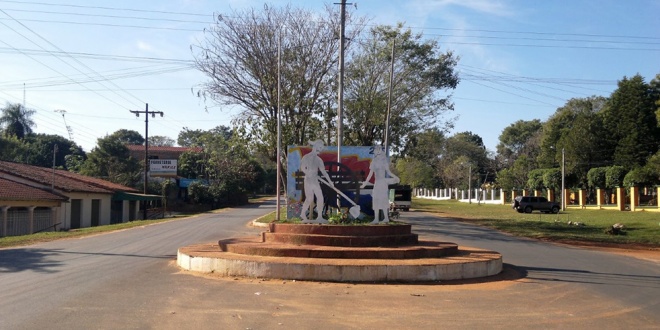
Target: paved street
column 129, row 280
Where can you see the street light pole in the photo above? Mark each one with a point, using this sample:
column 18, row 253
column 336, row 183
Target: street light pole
column 389, row 102
column 279, row 123
column 340, row 93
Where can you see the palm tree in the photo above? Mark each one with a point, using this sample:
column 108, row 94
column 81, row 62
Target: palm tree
column 16, row 120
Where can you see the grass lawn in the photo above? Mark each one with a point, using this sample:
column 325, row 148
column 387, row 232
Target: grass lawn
column 10, row 241
column 641, row 228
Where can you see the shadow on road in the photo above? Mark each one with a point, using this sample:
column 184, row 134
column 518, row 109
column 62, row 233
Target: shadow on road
column 17, row 260
column 590, row 277
column 43, row 260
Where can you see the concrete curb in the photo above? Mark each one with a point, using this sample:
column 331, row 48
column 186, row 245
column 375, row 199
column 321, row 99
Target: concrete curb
column 468, row 263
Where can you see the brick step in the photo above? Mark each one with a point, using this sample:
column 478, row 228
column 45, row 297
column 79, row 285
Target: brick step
column 255, row 247
column 341, row 230
column 340, row 240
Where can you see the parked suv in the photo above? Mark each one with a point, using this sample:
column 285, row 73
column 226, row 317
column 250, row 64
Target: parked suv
column 528, row 204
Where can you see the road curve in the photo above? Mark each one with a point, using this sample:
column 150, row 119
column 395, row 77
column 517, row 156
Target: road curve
column 128, row 279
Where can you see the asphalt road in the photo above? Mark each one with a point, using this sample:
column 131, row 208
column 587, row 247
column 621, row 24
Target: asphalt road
column 129, row 280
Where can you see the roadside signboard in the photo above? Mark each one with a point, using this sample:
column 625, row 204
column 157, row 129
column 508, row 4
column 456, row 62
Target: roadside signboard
column 162, row 167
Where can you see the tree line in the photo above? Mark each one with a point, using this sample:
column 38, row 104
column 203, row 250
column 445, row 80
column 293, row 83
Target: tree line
column 247, row 54
column 605, row 142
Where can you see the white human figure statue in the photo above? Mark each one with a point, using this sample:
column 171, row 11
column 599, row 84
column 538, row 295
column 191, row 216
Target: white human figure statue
column 311, row 164
column 380, row 170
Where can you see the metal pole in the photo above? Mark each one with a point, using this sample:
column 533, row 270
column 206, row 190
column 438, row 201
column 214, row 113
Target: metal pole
column 563, row 174
column 340, row 93
column 389, row 102
column 279, row 124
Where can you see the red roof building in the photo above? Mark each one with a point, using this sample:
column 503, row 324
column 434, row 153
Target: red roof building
column 34, row 198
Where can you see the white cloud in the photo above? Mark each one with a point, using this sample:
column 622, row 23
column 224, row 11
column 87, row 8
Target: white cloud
column 143, row 46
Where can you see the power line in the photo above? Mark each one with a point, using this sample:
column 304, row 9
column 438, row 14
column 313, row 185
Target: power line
column 543, row 33
column 108, row 16
column 95, row 56
column 105, row 8
column 62, row 74
column 108, row 25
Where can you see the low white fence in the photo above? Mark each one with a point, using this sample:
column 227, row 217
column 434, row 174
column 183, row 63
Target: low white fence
column 491, row 196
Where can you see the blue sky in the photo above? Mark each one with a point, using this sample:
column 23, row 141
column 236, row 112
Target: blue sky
column 518, row 59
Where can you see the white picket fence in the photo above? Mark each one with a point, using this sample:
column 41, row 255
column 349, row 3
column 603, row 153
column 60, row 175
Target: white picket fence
column 491, row 196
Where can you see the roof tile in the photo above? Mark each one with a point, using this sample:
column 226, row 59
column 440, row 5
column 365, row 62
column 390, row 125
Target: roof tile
column 15, row 191
column 61, row 179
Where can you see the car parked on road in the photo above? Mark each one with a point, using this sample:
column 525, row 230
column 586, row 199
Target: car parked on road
column 528, row 204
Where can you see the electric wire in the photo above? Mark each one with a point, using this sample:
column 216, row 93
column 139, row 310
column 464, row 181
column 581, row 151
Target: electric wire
column 473, row 76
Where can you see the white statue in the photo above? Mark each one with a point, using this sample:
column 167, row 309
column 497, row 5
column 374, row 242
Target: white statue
column 380, row 170
column 311, row 164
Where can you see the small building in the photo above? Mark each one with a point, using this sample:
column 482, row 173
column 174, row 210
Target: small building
column 26, row 209
column 28, row 193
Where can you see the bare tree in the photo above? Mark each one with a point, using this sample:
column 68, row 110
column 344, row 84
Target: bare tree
column 421, row 78
column 239, row 54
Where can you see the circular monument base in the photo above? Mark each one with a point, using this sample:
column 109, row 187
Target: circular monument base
column 466, row 263
column 340, row 254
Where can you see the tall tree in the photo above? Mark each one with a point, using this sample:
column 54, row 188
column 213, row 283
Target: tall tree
column 223, row 160
column 631, row 123
column 462, row 151
column 127, row 136
column 655, row 90
column 239, row 55
column 12, row 149
column 198, row 138
column 41, row 147
column 519, row 138
column 418, row 162
column 577, row 128
column 516, row 176
column 16, row 120
column 425, row 146
column 111, row 160
column 161, row 141
column 421, row 77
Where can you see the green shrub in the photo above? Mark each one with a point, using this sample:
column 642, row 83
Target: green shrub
column 614, row 176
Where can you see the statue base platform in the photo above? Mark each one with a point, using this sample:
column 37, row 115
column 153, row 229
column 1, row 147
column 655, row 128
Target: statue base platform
column 340, row 253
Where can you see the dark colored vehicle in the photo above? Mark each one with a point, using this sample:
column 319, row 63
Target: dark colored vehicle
column 401, row 197
column 528, row 204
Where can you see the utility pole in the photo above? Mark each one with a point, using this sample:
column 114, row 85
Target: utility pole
column 146, row 113
column 340, row 93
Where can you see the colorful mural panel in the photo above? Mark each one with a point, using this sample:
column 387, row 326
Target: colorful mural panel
column 347, row 176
